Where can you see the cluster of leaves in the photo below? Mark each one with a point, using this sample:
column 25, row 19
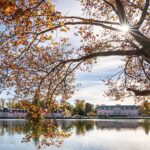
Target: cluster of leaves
column 145, row 108
column 37, row 111
column 7, row 7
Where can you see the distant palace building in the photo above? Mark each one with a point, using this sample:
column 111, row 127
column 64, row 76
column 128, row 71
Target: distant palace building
column 118, row 110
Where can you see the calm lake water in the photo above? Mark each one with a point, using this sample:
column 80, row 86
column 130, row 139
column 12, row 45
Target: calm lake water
column 86, row 135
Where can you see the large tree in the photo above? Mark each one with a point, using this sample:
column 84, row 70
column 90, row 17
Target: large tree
column 40, row 66
column 80, row 107
column 89, row 108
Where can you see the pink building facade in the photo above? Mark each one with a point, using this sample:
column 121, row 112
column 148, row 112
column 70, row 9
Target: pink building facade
column 118, row 110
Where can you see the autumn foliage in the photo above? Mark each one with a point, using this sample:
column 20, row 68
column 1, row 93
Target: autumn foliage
column 39, row 62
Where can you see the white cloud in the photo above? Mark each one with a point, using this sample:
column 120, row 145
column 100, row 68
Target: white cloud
column 92, row 89
column 68, row 7
column 107, row 63
column 7, row 94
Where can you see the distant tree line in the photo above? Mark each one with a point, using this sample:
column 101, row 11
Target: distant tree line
column 81, row 108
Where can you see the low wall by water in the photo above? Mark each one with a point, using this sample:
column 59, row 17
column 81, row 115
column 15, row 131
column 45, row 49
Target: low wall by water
column 13, row 115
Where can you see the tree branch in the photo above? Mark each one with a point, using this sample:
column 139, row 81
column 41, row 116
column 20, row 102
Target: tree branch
column 139, row 93
column 93, row 20
column 80, row 23
column 144, row 13
column 111, row 6
column 107, row 53
column 121, row 11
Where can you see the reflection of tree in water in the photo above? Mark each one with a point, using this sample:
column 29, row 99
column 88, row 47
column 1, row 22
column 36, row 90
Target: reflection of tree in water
column 80, row 126
column 43, row 133
column 66, row 125
column 9, row 126
column 90, row 125
column 146, row 126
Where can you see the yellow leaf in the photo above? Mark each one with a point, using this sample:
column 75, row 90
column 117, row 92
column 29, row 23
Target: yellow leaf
column 62, row 24
column 49, row 37
column 54, row 43
column 9, row 9
column 64, row 30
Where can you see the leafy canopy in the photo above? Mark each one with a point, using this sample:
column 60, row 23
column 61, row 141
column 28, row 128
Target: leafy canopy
column 38, row 60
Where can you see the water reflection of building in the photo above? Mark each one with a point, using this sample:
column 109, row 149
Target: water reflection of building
column 117, row 124
column 118, row 110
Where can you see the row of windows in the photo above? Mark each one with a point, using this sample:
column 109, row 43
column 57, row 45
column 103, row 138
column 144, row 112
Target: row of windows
column 12, row 110
column 112, row 108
